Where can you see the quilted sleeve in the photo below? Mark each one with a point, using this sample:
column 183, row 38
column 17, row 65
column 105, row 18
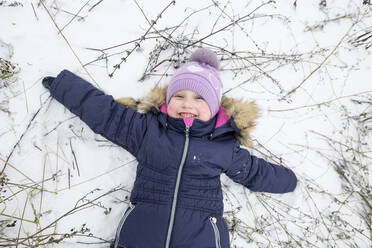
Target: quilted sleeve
column 117, row 123
column 259, row 175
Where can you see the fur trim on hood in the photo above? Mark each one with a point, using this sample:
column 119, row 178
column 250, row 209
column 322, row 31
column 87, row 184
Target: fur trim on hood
column 242, row 112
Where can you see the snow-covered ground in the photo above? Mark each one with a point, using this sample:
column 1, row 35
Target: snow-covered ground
column 306, row 64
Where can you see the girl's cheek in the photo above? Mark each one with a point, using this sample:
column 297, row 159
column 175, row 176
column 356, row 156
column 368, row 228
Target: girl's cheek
column 171, row 109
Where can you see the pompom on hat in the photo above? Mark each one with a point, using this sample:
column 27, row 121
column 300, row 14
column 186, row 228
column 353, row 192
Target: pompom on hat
column 200, row 75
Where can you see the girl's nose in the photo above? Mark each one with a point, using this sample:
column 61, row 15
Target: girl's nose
column 187, row 103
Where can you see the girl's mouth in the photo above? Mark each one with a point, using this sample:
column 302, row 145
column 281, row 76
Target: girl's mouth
column 187, row 115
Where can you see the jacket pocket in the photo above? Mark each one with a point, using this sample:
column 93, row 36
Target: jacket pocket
column 121, row 224
column 217, row 238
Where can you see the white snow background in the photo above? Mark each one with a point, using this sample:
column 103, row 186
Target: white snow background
column 306, row 64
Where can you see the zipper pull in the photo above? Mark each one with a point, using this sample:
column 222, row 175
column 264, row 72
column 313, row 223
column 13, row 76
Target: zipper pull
column 131, row 205
column 213, row 219
column 187, row 130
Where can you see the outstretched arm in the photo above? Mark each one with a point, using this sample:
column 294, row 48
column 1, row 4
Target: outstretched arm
column 99, row 111
column 258, row 174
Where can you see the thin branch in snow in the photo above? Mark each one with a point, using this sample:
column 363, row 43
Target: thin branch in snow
column 24, row 90
column 95, row 5
column 59, row 123
column 69, row 178
column 321, row 103
column 67, row 12
column 137, row 44
column 80, row 204
column 20, row 139
column 33, row 8
column 75, row 160
column 72, row 19
column 322, row 63
column 23, row 215
column 69, row 45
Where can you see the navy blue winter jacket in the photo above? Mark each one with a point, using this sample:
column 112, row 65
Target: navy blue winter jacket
column 176, row 199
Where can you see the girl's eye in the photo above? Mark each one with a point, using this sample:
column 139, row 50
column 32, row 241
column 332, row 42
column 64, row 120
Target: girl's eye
column 199, row 98
column 178, row 96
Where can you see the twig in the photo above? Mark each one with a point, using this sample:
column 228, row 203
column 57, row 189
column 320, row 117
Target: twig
column 57, row 157
column 279, row 222
column 20, row 224
column 24, row 90
column 319, row 104
column 33, row 8
column 30, row 187
column 68, row 43
column 122, row 44
column 238, row 24
column 59, row 123
column 3, row 210
column 150, row 23
column 42, row 182
column 15, row 168
column 68, row 213
column 67, row 12
column 322, row 63
column 188, row 17
column 73, row 17
column 68, row 177
column 252, row 64
column 232, row 23
column 18, row 218
column 95, row 5
column 117, row 66
column 95, row 177
column 20, row 139
column 76, row 162
column 333, row 141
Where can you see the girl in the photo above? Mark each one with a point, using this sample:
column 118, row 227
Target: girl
column 183, row 137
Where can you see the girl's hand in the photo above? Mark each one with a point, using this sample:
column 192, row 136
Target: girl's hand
column 47, row 82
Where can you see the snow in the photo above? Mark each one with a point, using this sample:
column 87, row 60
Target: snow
column 59, row 164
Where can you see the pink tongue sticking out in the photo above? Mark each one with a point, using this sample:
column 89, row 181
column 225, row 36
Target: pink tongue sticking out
column 188, row 121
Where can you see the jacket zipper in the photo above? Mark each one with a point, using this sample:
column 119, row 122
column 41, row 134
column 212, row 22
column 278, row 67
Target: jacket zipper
column 213, row 221
column 122, row 221
column 175, row 195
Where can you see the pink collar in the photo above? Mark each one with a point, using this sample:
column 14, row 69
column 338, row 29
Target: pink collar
column 222, row 117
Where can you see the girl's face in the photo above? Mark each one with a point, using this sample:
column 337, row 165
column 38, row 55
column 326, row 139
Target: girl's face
column 188, row 104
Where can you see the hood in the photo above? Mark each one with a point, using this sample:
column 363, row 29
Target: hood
column 241, row 112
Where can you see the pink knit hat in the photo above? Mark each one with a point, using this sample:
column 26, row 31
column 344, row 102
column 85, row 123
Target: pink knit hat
column 200, row 75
